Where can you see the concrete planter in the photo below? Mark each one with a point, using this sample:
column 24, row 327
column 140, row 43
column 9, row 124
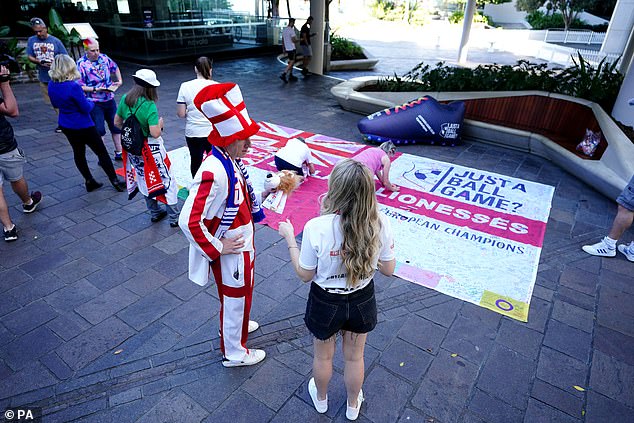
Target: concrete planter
column 357, row 64
column 608, row 173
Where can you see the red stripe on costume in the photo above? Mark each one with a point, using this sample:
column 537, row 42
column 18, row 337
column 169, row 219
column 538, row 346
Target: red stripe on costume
column 196, row 222
column 248, row 284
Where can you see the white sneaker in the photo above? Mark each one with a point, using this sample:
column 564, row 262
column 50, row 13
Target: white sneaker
column 320, row 405
column 353, row 413
column 600, row 249
column 627, row 250
column 251, row 358
column 253, row 326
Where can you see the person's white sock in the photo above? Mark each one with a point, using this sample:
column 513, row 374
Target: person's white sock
column 29, row 203
column 611, row 243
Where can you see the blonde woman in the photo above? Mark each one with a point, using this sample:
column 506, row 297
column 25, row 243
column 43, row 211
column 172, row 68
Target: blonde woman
column 340, row 252
column 75, row 121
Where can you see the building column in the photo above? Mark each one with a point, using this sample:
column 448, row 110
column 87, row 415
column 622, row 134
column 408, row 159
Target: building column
column 318, row 12
column 469, row 11
column 619, row 39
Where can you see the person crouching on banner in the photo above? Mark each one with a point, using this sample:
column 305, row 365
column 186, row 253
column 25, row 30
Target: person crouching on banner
column 377, row 159
column 340, row 252
column 295, row 156
column 150, row 171
column 218, row 220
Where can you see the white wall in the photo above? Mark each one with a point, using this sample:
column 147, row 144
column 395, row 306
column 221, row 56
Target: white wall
column 504, row 13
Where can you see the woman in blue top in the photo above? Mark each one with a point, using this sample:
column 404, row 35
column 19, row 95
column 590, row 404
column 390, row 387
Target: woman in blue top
column 74, row 119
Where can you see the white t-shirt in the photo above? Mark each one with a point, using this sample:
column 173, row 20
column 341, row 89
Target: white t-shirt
column 287, row 38
column 321, row 246
column 294, row 152
column 197, row 124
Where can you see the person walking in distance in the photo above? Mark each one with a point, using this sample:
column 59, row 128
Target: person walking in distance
column 340, row 252
column 218, row 220
column 288, row 45
column 304, row 45
column 96, row 69
column 41, row 49
column 12, row 161
column 197, row 127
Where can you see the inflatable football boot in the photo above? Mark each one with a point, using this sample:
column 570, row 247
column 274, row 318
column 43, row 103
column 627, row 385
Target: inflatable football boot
column 423, row 120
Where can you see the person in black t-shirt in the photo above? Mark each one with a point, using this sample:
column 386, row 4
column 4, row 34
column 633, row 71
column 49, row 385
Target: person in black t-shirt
column 12, row 161
column 304, row 45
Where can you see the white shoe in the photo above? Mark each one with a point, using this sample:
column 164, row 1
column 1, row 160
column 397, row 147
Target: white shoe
column 600, row 249
column 253, row 326
column 320, row 405
column 251, row 358
column 627, row 250
column 353, row 413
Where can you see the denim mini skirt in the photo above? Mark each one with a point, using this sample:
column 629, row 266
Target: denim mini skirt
column 328, row 313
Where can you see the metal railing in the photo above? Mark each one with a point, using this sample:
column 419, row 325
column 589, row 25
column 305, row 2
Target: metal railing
column 574, row 36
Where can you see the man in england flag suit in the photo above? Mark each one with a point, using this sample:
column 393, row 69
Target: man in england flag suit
column 218, row 220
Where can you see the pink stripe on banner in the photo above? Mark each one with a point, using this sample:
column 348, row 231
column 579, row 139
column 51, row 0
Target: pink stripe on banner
column 505, row 225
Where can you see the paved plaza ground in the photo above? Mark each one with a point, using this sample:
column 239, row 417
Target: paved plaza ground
column 99, row 323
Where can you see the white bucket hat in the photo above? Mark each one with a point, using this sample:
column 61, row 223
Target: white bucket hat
column 146, row 78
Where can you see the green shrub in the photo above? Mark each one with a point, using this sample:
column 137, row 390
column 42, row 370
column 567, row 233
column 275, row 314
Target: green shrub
column 599, row 84
column 458, row 16
column 344, row 49
column 539, row 20
column 381, row 8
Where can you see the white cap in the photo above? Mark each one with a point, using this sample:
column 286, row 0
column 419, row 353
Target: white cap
column 146, row 77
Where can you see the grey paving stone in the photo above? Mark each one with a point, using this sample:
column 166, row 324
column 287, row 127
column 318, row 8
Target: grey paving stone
column 540, row 412
column 517, row 337
column 190, row 315
column 292, row 306
column 297, row 410
column 267, row 264
column 110, row 235
column 130, row 411
column 612, row 378
column 28, row 379
column 470, row 338
column 34, row 289
column 27, row 318
column 385, row 395
column 69, row 297
column 447, row 380
column 129, row 367
column 613, row 311
column 219, row 380
column 574, row 342
column 557, row 398
column 492, row 409
column 29, row 347
column 406, row 360
column 94, row 342
column 615, row 344
column 573, row 316
column 538, row 314
column 172, row 244
column 148, row 309
column 602, row 409
column 543, row 293
column 145, row 282
column 619, row 281
column 579, row 280
column 5, row 336
column 107, row 255
column 561, row 370
column 384, row 333
column 76, row 411
column 252, row 411
column 422, row 333
column 155, row 387
column 182, row 287
column 12, row 278
column 176, row 265
column 178, row 406
column 280, row 381
column 506, row 375
column 68, row 325
column 124, row 397
column 110, row 276
column 76, row 270
column 56, row 366
column 280, row 282
column 297, row 360
column 576, row 298
column 45, row 263
column 143, row 259
column 106, row 304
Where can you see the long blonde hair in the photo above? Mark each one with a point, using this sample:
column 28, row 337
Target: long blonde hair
column 64, row 69
column 351, row 194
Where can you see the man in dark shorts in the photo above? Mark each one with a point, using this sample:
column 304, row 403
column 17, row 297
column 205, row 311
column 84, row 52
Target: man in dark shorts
column 304, row 45
column 624, row 217
column 12, row 161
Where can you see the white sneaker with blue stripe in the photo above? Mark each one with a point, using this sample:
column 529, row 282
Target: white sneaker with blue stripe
column 627, row 250
column 601, row 249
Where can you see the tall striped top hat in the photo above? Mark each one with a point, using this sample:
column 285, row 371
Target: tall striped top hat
column 223, row 105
